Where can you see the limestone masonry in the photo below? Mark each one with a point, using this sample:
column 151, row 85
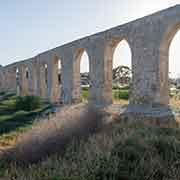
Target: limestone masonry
column 149, row 39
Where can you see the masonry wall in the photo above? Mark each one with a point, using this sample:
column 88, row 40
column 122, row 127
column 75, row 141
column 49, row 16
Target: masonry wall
column 149, row 39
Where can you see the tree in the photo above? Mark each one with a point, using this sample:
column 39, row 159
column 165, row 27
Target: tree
column 122, row 75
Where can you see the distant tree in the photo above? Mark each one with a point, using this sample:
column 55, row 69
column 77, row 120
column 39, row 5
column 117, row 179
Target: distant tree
column 122, row 75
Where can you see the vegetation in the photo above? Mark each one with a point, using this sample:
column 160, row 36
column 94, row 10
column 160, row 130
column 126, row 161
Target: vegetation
column 120, row 151
column 17, row 114
column 122, row 93
column 28, row 103
column 84, row 93
column 118, row 93
column 127, row 151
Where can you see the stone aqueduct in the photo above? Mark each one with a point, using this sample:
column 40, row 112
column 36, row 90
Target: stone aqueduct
column 149, row 39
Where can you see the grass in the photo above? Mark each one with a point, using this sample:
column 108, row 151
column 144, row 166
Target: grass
column 119, row 151
column 127, row 151
column 121, row 96
column 118, row 94
column 14, row 120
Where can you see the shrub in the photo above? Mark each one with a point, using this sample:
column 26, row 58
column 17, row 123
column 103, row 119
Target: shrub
column 2, row 93
column 28, row 103
column 121, row 94
column 20, row 113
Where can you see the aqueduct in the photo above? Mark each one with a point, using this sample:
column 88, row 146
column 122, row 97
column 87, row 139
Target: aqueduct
column 149, row 39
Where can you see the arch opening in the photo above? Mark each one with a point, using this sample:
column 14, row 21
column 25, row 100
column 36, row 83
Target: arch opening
column 121, row 72
column 57, row 81
column 84, row 76
column 81, row 76
column 27, row 73
column 26, row 82
column 17, row 81
column 167, row 63
column 174, row 71
column 59, row 72
column 46, row 74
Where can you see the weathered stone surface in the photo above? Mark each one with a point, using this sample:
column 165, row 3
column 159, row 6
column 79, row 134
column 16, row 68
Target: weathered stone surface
column 149, row 39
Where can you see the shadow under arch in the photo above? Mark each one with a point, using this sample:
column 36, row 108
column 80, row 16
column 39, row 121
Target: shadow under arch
column 78, row 54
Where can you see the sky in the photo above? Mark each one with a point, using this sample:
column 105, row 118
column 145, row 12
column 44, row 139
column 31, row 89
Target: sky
column 31, row 27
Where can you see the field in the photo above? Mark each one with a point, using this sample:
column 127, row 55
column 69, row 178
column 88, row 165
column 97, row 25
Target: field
column 127, row 151
column 118, row 151
column 15, row 120
column 120, row 95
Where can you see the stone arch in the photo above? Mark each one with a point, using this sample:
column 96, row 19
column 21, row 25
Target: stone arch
column 46, row 74
column 1, row 79
column 77, row 73
column 18, row 80
column 27, row 79
column 27, row 72
column 113, row 44
column 23, row 79
column 56, row 83
column 44, row 80
column 164, row 61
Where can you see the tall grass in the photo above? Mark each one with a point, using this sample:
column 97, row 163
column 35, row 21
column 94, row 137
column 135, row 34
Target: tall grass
column 127, row 151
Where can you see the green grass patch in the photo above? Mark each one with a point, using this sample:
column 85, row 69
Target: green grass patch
column 84, row 94
column 118, row 93
column 19, row 112
column 121, row 94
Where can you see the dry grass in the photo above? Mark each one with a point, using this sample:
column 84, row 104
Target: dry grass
column 175, row 103
column 119, row 151
column 73, row 145
column 9, row 140
column 52, row 135
column 120, row 101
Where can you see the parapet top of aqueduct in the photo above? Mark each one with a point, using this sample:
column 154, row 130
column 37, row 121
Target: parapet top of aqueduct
column 149, row 39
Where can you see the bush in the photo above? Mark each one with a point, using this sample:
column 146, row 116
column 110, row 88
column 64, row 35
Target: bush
column 20, row 114
column 28, row 103
column 2, row 93
column 85, row 88
column 121, row 94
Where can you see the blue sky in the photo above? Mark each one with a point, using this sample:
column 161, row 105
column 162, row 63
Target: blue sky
column 31, row 27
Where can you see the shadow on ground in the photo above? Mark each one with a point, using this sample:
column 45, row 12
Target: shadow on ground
column 52, row 136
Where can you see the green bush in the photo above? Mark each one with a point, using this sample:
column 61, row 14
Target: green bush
column 2, row 93
column 120, row 88
column 28, row 103
column 85, row 88
column 84, row 94
column 121, row 94
column 20, row 113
